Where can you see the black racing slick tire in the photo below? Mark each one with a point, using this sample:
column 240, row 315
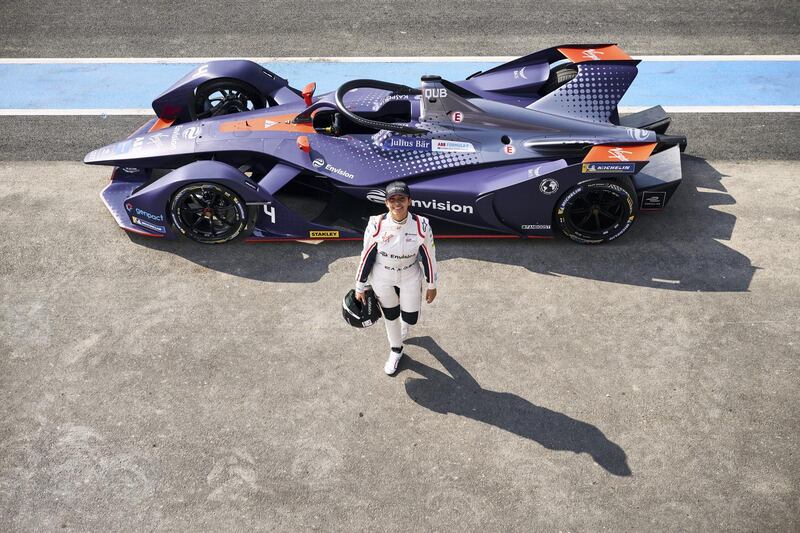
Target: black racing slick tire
column 224, row 96
column 596, row 212
column 209, row 213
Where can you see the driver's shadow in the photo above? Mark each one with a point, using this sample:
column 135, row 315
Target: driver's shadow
column 462, row 395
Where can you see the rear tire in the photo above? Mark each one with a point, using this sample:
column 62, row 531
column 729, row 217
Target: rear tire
column 209, row 213
column 596, row 212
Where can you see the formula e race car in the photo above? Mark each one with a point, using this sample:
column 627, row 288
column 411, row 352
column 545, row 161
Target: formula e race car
column 530, row 148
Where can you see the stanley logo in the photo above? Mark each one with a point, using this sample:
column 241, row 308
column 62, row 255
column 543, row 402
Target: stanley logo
column 323, row 234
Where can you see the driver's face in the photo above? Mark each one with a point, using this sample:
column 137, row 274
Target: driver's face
column 398, row 205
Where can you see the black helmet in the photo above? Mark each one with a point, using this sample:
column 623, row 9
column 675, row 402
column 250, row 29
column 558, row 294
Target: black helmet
column 357, row 314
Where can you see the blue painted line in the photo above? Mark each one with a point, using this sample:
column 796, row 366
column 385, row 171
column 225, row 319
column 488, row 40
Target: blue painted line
column 126, row 86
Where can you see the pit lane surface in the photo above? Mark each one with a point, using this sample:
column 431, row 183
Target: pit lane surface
column 153, row 385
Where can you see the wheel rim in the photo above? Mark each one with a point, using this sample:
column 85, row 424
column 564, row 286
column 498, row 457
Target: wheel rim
column 224, row 101
column 208, row 215
column 597, row 212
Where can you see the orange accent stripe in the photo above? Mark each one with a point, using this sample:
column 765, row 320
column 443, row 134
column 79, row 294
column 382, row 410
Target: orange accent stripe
column 438, row 237
column 267, row 123
column 610, row 52
column 143, row 233
column 297, row 239
column 160, row 124
column 609, row 153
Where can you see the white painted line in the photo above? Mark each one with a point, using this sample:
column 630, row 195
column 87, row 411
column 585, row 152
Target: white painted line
column 74, row 112
column 378, row 59
column 671, row 281
column 149, row 112
column 719, row 109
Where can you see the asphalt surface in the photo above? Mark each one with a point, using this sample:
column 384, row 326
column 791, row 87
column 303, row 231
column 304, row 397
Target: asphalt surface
column 645, row 385
column 75, row 28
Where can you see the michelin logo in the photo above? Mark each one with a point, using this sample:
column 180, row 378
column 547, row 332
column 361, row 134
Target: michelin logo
column 145, row 224
column 590, row 168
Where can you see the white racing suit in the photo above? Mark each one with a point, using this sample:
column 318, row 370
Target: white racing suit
column 395, row 259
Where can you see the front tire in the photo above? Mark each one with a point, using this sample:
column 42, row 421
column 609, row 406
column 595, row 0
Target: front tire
column 209, row 213
column 223, row 97
column 596, row 212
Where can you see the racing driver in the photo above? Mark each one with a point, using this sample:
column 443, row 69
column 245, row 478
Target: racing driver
column 398, row 253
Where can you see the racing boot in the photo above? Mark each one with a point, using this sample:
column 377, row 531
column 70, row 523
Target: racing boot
column 394, row 359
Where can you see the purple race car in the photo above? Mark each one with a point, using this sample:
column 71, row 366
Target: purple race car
column 530, row 148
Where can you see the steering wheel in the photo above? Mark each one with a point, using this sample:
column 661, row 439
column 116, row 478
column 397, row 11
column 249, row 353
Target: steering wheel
column 375, row 124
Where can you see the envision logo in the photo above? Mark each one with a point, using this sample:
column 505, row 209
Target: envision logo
column 379, row 196
column 442, row 206
column 318, row 162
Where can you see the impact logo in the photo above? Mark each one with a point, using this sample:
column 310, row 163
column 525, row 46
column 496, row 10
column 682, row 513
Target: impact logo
column 520, row 74
column 318, row 162
column 593, row 54
column 619, row 153
column 548, row 186
column 151, row 216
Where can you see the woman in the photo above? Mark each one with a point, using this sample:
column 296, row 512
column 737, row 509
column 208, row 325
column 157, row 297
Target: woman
column 398, row 252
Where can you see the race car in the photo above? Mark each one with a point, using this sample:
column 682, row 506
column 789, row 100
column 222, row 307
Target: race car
column 530, row 149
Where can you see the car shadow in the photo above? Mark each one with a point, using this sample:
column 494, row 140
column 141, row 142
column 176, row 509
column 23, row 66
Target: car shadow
column 458, row 393
column 676, row 249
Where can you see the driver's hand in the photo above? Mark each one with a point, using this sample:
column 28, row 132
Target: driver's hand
column 360, row 297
